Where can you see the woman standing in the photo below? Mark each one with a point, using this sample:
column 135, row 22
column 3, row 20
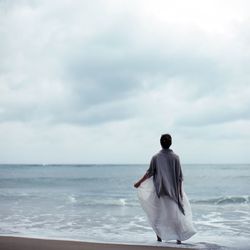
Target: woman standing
column 162, row 198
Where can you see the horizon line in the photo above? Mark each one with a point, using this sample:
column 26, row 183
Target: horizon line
column 93, row 164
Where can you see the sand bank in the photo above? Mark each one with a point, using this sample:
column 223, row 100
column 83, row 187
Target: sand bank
column 23, row 243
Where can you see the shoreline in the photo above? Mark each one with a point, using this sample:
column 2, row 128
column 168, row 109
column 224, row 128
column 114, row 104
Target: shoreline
column 28, row 243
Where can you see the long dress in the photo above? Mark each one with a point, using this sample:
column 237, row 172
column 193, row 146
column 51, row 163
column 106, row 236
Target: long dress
column 163, row 213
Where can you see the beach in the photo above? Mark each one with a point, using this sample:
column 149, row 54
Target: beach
column 98, row 203
column 24, row 243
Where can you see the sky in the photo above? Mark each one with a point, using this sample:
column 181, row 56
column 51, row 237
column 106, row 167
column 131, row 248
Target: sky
column 98, row 82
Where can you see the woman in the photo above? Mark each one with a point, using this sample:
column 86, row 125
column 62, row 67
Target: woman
column 161, row 196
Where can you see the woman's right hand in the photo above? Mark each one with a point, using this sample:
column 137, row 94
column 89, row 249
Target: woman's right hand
column 137, row 184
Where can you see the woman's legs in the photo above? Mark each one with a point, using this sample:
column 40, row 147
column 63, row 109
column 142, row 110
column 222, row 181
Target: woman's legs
column 159, row 238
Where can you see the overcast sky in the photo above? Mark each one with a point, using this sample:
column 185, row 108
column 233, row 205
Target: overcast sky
column 100, row 81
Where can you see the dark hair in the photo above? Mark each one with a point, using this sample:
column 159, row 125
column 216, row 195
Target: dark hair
column 166, row 141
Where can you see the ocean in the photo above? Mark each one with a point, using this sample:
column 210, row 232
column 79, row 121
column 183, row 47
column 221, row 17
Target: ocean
column 99, row 203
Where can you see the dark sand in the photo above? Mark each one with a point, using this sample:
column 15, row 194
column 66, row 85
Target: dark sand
column 22, row 243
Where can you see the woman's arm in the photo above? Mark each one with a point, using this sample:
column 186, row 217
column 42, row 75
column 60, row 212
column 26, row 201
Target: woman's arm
column 148, row 174
column 138, row 183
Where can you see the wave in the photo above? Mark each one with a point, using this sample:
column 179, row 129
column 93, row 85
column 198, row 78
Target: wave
column 224, row 200
column 71, row 199
column 115, row 202
column 131, row 202
column 5, row 182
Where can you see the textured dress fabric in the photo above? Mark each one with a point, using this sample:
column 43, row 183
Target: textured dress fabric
column 166, row 170
column 164, row 215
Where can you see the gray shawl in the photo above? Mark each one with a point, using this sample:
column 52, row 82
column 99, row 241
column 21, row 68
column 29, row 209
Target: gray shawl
column 167, row 175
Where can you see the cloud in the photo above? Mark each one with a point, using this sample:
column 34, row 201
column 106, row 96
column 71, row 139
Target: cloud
column 75, row 64
column 231, row 105
column 144, row 67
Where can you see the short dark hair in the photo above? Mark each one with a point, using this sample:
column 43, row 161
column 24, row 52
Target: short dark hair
column 166, row 141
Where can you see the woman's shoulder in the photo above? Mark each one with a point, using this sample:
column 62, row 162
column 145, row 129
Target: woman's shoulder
column 173, row 155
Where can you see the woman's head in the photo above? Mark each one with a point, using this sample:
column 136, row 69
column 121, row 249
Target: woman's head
column 166, row 141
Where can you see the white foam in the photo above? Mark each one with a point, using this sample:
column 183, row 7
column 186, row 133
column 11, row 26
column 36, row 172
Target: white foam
column 72, row 199
column 123, row 201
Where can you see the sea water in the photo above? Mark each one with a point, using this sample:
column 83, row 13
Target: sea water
column 99, row 203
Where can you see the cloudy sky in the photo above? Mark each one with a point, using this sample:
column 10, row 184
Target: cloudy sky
column 100, row 81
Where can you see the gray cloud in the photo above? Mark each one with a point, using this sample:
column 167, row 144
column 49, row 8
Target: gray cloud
column 217, row 116
column 148, row 67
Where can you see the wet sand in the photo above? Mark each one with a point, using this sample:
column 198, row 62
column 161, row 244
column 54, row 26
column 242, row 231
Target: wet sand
column 23, row 243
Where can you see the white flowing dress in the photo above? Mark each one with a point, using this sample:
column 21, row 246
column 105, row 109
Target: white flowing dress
column 163, row 213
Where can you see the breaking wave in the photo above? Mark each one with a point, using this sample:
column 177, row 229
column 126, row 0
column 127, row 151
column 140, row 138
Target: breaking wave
column 224, row 200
